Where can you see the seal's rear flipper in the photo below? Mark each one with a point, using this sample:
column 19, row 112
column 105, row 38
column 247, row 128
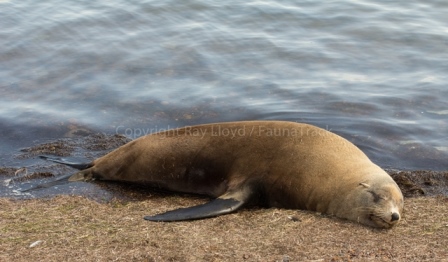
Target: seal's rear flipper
column 60, row 160
column 59, row 181
column 82, row 175
column 213, row 208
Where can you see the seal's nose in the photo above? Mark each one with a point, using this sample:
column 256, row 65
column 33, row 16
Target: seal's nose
column 395, row 216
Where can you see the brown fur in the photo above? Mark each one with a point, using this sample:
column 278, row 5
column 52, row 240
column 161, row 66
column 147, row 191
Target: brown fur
column 287, row 164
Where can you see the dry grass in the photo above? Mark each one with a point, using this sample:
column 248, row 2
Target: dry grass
column 79, row 229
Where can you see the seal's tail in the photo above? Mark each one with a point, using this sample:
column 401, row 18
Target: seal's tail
column 60, row 160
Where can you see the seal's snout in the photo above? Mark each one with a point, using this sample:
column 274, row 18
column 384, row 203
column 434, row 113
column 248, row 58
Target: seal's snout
column 395, row 217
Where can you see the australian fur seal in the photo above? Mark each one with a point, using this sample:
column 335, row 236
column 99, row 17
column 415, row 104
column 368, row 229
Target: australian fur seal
column 280, row 164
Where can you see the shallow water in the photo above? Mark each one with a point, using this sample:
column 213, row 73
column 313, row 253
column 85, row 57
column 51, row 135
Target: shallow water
column 373, row 72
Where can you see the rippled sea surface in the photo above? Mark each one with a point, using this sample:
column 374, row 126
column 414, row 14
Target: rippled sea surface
column 375, row 72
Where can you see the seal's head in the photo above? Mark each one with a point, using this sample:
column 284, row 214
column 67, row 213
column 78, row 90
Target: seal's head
column 380, row 204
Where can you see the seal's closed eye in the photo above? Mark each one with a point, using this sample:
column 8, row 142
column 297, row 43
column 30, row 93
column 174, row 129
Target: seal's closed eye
column 376, row 197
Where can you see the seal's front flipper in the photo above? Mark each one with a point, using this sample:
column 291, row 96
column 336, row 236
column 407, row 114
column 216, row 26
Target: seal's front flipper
column 60, row 160
column 225, row 204
column 213, row 208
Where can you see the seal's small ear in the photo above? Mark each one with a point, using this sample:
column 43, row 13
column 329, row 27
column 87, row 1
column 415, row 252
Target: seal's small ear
column 364, row 185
